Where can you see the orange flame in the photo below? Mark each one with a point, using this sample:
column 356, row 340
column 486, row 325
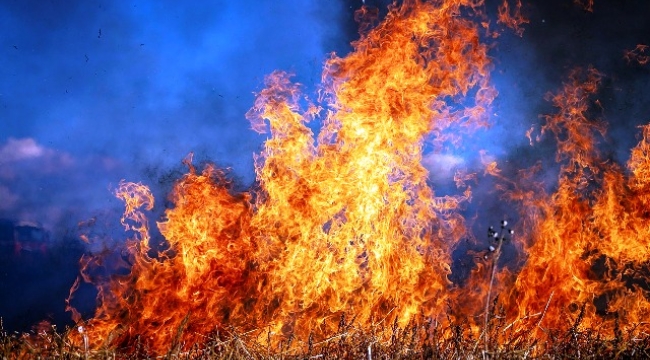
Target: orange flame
column 514, row 20
column 346, row 224
column 638, row 55
column 588, row 237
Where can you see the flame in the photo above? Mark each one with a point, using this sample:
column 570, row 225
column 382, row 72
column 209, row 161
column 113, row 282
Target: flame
column 637, row 55
column 345, row 224
column 589, row 238
column 513, row 20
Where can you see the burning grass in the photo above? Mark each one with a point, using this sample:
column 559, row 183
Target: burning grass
column 424, row 339
column 347, row 223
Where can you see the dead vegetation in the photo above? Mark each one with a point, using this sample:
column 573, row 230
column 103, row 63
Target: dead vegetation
column 422, row 339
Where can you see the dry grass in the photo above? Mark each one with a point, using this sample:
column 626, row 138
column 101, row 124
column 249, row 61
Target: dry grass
column 424, row 340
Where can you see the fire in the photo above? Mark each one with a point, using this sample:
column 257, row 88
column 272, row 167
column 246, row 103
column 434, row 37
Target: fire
column 638, row 55
column 514, row 20
column 345, row 224
column 588, row 241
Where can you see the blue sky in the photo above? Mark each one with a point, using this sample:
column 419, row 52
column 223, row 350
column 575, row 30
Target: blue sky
column 96, row 91
column 155, row 78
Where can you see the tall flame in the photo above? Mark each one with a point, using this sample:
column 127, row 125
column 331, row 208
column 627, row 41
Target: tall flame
column 589, row 239
column 340, row 225
column 346, row 224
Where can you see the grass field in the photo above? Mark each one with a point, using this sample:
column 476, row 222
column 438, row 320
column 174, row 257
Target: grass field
column 425, row 340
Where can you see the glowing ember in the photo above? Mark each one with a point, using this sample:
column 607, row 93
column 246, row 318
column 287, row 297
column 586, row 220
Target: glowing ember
column 347, row 225
column 639, row 55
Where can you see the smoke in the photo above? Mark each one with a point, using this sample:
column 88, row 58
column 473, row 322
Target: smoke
column 94, row 92
column 100, row 91
column 149, row 82
column 54, row 188
column 560, row 36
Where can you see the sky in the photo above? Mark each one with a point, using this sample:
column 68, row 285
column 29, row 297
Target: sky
column 95, row 91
